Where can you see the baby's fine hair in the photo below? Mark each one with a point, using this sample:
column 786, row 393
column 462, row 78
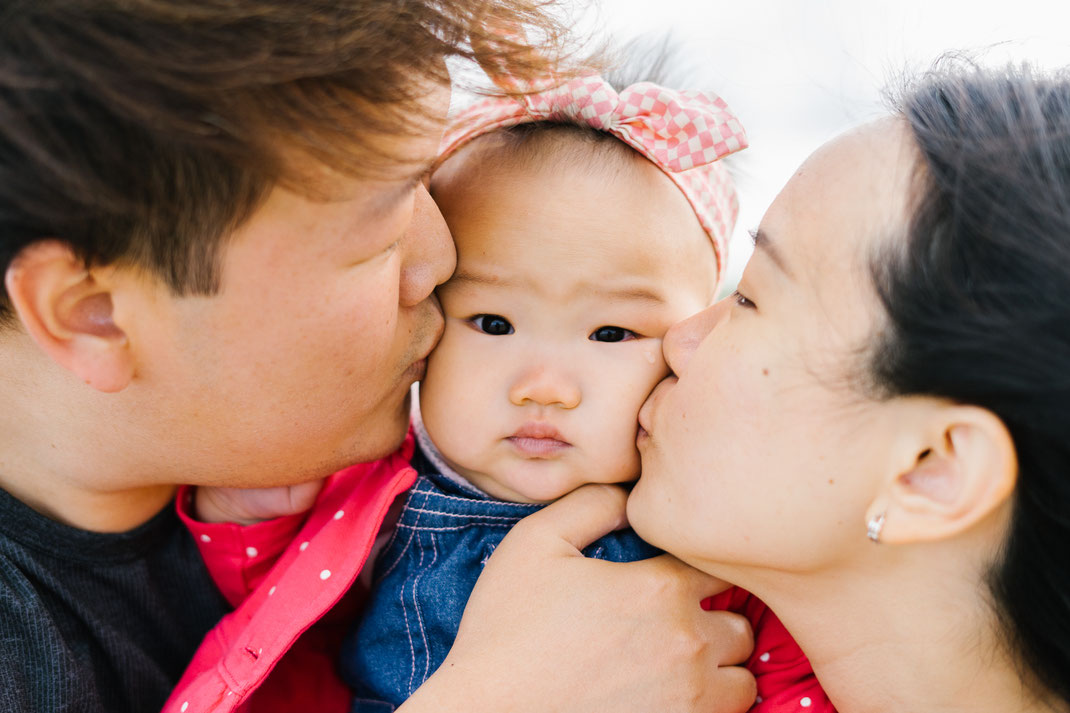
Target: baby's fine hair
column 575, row 145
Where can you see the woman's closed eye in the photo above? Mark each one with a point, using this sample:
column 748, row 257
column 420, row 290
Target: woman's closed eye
column 493, row 324
column 612, row 334
column 743, row 301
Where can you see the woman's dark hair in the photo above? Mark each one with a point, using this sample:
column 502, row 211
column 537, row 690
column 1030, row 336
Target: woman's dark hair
column 979, row 313
column 145, row 130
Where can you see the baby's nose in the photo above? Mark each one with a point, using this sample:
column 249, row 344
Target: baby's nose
column 546, row 387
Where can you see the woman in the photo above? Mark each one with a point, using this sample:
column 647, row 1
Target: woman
column 894, row 369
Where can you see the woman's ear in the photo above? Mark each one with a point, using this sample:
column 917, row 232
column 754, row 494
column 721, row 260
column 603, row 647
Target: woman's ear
column 962, row 468
column 67, row 309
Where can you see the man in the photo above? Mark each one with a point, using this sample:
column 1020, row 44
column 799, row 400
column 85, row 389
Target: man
column 219, row 257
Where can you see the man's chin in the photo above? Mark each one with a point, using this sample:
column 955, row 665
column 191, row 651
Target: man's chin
column 388, row 436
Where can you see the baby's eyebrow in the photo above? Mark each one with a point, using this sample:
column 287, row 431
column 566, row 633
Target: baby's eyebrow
column 633, row 293
column 640, row 294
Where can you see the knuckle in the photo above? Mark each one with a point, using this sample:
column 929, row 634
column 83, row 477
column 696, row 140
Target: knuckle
column 737, row 636
column 690, row 645
column 662, row 583
column 738, row 687
column 694, row 695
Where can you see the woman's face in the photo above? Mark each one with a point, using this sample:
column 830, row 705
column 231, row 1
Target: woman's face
column 765, row 453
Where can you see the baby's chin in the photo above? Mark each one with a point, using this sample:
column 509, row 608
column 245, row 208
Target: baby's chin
column 533, row 483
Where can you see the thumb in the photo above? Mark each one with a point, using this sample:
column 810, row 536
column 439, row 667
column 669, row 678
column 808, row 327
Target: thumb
column 582, row 516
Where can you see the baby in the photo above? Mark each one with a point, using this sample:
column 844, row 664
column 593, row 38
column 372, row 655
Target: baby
column 587, row 222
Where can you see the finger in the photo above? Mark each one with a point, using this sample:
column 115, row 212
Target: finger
column 729, row 634
column 734, row 691
column 692, row 583
column 581, row 517
column 303, row 495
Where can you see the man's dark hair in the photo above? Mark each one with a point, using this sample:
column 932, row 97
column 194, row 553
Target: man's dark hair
column 143, row 131
column 979, row 313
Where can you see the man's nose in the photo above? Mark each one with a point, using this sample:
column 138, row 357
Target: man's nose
column 545, row 386
column 428, row 257
column 684, row 337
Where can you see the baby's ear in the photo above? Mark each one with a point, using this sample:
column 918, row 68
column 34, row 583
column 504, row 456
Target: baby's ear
column 67, row 309
column 963, row 467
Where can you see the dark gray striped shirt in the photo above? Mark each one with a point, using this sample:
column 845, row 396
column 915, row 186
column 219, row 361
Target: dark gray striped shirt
column 97, row 622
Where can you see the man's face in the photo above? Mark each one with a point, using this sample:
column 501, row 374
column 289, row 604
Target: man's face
column 302, row 363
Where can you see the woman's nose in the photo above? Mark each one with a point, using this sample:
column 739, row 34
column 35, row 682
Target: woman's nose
column 545, row 386
column 428, row 253
column 684, row 337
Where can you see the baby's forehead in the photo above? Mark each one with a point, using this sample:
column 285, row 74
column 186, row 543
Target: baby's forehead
column 537, row 148
column 612, row 212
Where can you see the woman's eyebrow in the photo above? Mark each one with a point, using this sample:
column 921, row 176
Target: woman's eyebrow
column 762, row 242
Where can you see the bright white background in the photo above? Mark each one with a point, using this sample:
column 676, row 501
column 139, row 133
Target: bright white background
column 797, row 72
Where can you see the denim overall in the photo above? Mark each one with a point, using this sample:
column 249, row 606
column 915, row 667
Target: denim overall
column 423, row 578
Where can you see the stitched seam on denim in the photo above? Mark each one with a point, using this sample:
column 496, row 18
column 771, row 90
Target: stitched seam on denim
column 393, row 538
column 468, row 500
column 458, row 527
column 420, row 614
column 474, row 516
column 408, row 629
column 398, row 528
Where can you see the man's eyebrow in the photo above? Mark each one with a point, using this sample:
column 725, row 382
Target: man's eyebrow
column 423, row 168
column 476, row 278
column 763, row 243
column 405, row 184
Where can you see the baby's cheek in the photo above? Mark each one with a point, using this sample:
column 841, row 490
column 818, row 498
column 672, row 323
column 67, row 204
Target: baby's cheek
column 618, row 456
column 623, row 466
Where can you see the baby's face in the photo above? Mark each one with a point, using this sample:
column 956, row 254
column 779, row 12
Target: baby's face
column 566, row 282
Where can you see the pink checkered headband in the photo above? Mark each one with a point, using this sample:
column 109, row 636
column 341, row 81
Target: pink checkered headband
column 682, row 133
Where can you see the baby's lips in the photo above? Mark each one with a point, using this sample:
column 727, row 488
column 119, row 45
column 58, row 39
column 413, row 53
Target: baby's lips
column 539, row 429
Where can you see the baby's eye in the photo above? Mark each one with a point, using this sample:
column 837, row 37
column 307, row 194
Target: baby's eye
column 612, row 334
column 493, row 324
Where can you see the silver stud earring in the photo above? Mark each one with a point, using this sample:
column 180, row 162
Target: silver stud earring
column 874, row 527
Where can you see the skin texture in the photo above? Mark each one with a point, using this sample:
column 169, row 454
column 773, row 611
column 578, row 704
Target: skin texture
column 553, row 249
column 115, row 390
column 299, row 366
column 777, row 359
column 765, row 456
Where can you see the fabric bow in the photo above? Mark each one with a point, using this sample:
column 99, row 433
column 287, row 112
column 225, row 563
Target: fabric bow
column 682, row 133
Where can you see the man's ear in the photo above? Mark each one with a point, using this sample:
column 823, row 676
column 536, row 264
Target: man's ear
column 66, row 308
column 960, row 469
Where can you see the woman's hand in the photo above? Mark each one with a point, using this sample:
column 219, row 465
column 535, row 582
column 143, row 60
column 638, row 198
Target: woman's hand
column 549, row 630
